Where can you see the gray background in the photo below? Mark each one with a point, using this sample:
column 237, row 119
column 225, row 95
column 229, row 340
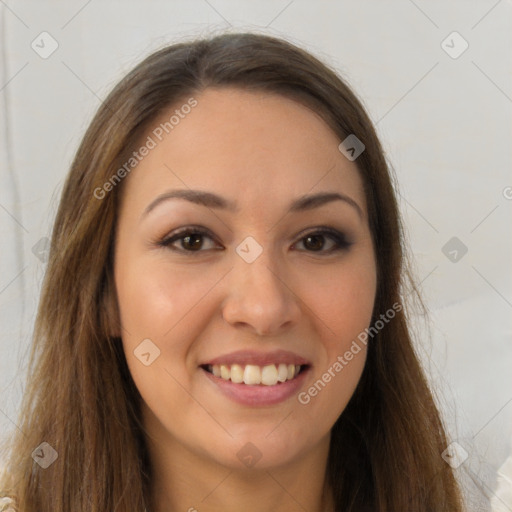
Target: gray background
column 445, row 124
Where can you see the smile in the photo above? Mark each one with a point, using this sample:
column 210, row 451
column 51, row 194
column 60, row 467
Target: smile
column 254, row 375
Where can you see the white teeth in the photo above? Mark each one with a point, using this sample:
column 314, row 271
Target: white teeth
column 237, row 374
column 269, row 375
column 282, row 372
column 224, row 372
column 253, row 375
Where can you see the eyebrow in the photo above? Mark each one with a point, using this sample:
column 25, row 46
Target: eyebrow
column 211, row 200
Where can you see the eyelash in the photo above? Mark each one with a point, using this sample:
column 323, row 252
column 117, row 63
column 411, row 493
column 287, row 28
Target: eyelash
column 338, row 237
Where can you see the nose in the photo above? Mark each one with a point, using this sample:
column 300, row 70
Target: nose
column 260, row 296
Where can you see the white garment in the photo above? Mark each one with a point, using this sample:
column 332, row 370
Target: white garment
column 7, row 505
column 502, row 500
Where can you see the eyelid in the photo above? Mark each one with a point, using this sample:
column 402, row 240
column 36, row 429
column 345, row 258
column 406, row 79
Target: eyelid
column 324, row 230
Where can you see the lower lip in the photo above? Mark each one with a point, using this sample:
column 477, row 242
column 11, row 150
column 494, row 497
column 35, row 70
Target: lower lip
column 258, row 395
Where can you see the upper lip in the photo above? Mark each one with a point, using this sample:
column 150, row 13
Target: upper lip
column 258, row 358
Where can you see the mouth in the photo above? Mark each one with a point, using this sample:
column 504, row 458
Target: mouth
column 253, row 378
column 255, row 375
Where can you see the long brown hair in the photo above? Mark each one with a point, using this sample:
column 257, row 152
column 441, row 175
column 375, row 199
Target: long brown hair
column 386, row 446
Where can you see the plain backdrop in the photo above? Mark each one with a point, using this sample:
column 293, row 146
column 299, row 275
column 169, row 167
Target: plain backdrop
column 442, row 111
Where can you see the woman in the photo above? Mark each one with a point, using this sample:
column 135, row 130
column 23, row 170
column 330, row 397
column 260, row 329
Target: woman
column 221, row 323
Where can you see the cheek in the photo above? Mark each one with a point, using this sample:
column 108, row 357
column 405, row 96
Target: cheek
column 151, row 304
column 343, row 299
column 344, row 305
column 157, row 303
column 168, row 307
column 155, row 299
column 332, row 386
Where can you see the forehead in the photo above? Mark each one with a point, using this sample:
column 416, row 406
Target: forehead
column 245, row 145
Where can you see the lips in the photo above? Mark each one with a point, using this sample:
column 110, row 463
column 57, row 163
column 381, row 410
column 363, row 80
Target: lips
column 254, row 377
column 257, row 358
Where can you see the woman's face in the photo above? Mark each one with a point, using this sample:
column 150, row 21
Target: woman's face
column 253, row 288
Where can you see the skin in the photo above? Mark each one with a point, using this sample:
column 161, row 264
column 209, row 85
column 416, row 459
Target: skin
column 263, row 151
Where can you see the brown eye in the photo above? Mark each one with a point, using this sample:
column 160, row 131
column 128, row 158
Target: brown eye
column 315, row 241
column 191, row 240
